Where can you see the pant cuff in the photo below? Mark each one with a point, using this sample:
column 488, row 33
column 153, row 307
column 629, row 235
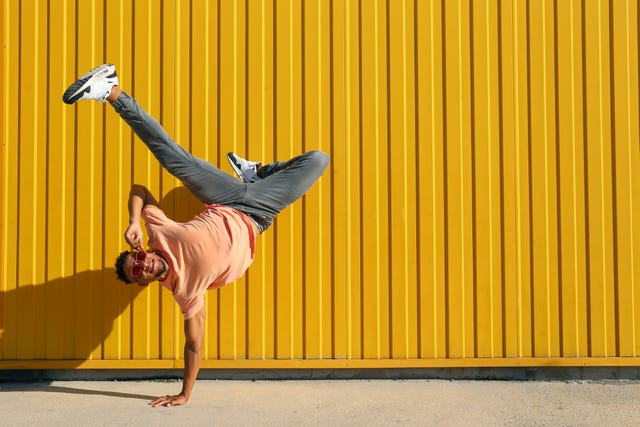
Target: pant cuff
column 119, row 103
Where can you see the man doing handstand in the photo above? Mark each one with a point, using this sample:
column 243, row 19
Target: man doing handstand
column 217, row 246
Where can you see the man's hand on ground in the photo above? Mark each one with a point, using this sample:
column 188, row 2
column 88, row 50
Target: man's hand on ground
column 167, row 400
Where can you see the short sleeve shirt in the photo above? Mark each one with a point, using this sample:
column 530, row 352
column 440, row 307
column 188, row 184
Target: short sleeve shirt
column 211, row 250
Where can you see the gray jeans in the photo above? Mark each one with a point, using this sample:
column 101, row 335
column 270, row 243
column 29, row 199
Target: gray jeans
column 282, row 183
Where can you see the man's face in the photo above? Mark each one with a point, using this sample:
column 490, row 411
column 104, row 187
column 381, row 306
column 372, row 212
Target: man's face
column 145, row 267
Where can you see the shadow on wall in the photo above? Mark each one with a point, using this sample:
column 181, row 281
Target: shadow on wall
column 180, row 205
column 89, row 315
column 71, row 318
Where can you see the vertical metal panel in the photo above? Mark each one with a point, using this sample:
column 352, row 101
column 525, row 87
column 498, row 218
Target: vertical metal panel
column 480, row 208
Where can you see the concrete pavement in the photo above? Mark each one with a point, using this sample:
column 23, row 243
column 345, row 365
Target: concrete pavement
column 324, row 403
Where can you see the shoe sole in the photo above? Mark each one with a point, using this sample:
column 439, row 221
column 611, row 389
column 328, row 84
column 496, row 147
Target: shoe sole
column 83, row 84
column 235, row 168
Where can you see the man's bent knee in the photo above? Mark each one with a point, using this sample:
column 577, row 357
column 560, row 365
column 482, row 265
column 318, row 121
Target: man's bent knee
column 319, row 159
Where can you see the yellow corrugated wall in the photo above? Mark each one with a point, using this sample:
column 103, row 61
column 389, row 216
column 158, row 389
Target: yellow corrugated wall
column 481, row 207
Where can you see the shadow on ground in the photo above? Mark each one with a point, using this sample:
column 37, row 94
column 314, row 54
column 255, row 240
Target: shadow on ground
column 48, row 388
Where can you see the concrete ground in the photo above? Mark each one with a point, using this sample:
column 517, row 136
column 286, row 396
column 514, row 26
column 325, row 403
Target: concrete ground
column 324, row 403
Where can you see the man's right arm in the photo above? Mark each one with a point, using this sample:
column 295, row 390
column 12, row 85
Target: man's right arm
column 139, row 197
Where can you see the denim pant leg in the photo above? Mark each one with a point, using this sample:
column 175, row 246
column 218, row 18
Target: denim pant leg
column 205, row 181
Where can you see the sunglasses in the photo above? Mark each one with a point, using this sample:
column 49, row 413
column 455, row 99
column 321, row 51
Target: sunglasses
column 138, row 263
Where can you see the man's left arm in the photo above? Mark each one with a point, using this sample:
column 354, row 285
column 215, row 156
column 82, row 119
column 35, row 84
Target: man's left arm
column 194, row 334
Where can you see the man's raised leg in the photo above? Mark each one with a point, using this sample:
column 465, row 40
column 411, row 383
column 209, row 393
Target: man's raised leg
column 205, row 181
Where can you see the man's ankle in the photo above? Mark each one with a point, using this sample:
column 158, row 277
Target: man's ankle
column 114, row 94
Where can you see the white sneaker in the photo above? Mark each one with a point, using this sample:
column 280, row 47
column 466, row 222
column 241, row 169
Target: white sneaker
column 246, row 170
column 95, row 85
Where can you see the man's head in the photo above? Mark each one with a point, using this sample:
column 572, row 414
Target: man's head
column 141, row 267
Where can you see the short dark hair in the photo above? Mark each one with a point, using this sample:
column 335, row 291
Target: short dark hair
column 120, row 267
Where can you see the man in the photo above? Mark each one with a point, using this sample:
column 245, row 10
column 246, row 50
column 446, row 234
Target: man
column 217, row 246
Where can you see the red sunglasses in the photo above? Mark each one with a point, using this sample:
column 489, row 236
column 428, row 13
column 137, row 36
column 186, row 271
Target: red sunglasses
column 138, row 263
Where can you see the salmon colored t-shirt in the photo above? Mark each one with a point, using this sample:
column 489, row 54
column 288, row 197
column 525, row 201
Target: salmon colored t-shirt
column 211, row 250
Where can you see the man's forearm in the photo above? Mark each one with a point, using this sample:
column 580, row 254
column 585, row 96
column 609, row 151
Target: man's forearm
column 192, row 357
column 137, row 197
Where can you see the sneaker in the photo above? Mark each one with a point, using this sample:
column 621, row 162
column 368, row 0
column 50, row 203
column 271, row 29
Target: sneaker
column 246, row 170
column 95, row 85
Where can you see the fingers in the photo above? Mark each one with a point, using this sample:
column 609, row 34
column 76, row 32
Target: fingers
column 163, row 400
column 136, row 244
column 168, row 401
column 133, row 236
column 133, row 244
column 134, row 240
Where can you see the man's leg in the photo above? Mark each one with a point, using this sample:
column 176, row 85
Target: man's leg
column 282, row 184
column 205, row 181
